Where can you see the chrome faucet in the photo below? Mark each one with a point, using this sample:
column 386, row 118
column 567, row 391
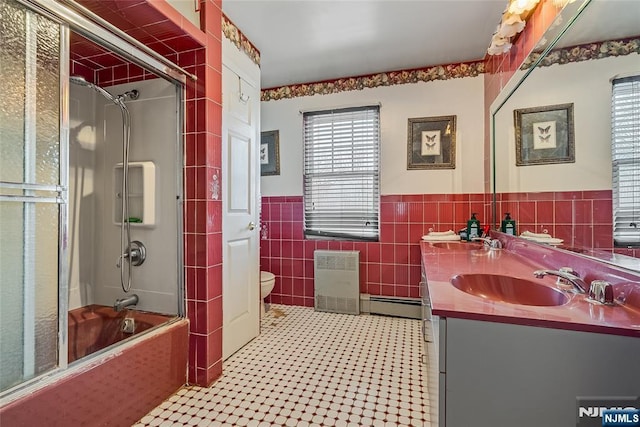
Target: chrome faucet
column 602, row 292
column 136, row 254
column 121, row 303
column 488, row 242
column 566, row 276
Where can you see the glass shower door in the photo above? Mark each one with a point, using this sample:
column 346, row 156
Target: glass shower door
column 32, row 193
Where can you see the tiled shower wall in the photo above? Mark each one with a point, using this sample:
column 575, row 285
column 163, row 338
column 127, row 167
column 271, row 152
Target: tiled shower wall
column 123, row 73
column 175, row 39
column 391, row 267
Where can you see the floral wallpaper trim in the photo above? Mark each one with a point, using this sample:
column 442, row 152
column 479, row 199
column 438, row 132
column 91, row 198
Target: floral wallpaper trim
column 585, row 52
column 390, row 78
column 241, row 41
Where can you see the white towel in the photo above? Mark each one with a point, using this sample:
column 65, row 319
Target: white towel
column 440, row 238
column 535, row 235
column 441, row 233
column 545, row 240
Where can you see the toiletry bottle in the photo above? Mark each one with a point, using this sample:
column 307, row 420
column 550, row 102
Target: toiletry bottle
column 473, row 227
column 508, row 225
column 463, row 233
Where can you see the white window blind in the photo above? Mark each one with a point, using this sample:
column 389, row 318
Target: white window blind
column 625, row 129
column 341, row 173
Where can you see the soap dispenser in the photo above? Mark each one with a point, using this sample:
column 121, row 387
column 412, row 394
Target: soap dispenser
column 473, row 227
column 508, row 225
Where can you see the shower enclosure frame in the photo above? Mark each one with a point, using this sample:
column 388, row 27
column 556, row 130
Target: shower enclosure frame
column 75, row 17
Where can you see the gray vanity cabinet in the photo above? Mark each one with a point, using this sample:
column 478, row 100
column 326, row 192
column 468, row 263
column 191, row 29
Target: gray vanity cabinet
column 498, row 374
column 487, row 373
column 430, row 337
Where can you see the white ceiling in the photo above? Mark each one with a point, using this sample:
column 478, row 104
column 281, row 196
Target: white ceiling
column 302, row 41
column 604, row 20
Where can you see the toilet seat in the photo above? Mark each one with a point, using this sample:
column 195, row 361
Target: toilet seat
column 265, row 276
column 267, row 282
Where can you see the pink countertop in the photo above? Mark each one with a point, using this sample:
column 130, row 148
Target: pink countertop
column 442, row 264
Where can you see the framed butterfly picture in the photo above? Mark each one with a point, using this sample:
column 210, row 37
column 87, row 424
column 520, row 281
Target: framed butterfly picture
column 431, row 143
column 544, row 135
column 270, row 153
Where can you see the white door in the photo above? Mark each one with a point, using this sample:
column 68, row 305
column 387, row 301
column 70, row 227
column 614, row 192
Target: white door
column 240, row 234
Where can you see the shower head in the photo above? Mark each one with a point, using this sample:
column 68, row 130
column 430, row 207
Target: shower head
column 81, row 81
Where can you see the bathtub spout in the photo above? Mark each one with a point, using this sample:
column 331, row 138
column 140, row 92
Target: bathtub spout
column 125, row 302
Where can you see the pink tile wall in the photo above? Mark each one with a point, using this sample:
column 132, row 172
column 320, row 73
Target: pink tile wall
column 203, row 201
column 78, row 69
column 126, row 73
column 130, row 73
column 580, row 218
column 390, row 267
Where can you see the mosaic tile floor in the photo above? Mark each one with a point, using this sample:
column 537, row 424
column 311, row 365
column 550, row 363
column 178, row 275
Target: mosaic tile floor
column 312, row 369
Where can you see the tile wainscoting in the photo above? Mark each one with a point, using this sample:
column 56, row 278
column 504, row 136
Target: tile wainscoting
column 391, row 266
column 580, row 218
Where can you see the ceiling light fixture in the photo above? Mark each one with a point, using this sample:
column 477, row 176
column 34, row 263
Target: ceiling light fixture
column 562, row 3
column 510, row 26
column 512, row 23
column 519, row 7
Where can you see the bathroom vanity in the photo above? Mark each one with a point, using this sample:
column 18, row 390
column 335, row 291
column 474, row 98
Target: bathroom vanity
column 508, row 348
column 504, row 347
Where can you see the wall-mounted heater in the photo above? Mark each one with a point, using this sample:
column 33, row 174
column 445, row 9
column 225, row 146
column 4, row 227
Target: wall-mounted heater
column 337, row 281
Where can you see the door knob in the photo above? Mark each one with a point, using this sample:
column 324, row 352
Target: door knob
column 252, row 225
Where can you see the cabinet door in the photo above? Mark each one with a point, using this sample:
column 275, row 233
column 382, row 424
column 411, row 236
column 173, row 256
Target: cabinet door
column 442, row 406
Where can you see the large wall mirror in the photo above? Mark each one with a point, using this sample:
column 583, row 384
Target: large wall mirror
column 560, row 98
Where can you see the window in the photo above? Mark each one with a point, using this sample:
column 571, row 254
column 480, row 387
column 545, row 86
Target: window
column 341, row 173
column 625, row 130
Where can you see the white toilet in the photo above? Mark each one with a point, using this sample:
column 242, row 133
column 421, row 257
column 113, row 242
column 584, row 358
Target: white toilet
column 267, row 281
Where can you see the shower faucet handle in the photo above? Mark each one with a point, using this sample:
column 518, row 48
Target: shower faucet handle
column 136, row 253
column 125, row 256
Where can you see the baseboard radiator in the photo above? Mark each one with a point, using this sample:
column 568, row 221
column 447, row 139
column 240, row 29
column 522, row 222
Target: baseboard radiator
column 391, row 306
column 337, row 281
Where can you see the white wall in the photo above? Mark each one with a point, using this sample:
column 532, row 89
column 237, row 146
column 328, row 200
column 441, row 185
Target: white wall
column 94, row 235
column 587, row 85
column 461, row 97
column 82, row 146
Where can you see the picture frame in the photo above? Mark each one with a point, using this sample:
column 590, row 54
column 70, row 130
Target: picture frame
column 544, row 135
column 431, row 143
column 270, row 153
